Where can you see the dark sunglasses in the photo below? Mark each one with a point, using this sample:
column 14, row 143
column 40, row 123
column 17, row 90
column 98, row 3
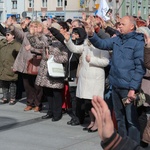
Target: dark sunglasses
column 7, row 34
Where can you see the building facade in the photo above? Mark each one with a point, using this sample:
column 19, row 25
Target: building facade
column 64, row 9
column 10, row 7
column 61, row 9
column 135, row 7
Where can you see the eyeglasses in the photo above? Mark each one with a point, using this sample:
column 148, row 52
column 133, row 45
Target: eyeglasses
column 7, row 34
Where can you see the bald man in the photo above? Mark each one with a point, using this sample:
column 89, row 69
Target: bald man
column 126, row 72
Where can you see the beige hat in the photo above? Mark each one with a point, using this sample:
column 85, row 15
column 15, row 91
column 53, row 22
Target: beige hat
column 55, row 25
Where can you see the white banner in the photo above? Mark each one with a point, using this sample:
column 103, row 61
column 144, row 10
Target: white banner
column 102, row 10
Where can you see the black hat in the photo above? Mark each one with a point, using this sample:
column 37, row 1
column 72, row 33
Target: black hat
column 69, row 20
column 82, row 35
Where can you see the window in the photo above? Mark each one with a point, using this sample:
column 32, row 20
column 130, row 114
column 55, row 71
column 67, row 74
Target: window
column 44, row 3
column 1, row 15
column 127, row 10
column 140, row 2
column 30, row 3
column 59, row 3
column 139, row 8
column 81, row 3
column 148, row 10
column 87, row 3
column 144, row 9
column 14, row 4
column 133, row 10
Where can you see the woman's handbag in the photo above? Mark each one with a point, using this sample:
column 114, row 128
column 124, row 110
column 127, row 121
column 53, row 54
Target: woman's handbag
column 55, row 69
column 138, row 101
column 33, row 65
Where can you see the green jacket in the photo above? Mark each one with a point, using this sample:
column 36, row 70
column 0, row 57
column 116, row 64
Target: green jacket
column 8, row 54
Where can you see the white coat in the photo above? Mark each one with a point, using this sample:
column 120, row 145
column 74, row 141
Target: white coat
column 91, row 78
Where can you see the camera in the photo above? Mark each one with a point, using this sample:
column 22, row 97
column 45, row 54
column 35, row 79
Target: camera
column 71, row 79
column 108, row 12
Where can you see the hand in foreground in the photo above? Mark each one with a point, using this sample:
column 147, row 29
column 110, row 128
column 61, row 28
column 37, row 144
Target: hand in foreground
column 49, row 22
column 102, row 114
column 84, row 16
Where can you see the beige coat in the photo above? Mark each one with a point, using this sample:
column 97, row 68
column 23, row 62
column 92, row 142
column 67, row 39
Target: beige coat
column 91, row 74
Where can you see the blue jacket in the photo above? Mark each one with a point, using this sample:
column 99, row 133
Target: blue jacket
column 127, row 67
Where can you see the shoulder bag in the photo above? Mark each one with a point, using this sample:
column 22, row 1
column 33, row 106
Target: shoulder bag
column 33, row 65
column 55, row 69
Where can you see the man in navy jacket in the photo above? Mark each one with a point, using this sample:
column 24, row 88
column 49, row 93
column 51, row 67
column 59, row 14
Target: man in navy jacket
column 126, row 73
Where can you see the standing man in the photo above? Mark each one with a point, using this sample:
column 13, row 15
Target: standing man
column 126, row 73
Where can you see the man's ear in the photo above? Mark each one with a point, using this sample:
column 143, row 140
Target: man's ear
column 133, row 27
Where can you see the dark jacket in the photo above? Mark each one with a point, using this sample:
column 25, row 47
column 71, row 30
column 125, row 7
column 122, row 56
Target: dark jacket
column 127, row 62
column 101, row 33
column 116, row 142
column 2, row 30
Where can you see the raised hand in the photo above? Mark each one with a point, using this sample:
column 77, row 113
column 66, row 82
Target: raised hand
column 103, row 118
column 66, row 36
column 49, row 22
column 84, row 16
column 89, row 27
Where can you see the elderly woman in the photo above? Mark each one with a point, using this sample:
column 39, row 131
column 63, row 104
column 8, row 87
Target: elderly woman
column 33, row 43
column 9, row 49
column 52, row 85
column 91, row 75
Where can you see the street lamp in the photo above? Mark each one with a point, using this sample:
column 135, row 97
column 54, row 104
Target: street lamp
column 32, row 9
column 65, row 4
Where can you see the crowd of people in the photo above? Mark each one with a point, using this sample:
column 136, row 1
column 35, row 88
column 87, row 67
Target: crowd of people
column 99, row 57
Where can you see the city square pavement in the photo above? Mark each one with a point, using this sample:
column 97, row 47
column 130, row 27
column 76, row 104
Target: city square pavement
column 20, row 130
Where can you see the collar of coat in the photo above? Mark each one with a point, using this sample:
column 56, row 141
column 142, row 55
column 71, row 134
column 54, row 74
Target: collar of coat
column 5, row 42
column 134, row 34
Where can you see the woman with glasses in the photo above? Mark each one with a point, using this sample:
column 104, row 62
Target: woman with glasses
column 9, row 48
